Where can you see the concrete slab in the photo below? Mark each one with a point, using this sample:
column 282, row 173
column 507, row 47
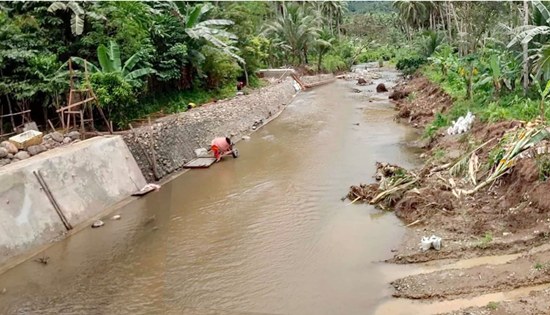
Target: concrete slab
column 200, row 162
column 85, row 178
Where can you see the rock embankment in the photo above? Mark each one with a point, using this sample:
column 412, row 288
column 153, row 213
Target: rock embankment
column 170, row 141
column 9, row 153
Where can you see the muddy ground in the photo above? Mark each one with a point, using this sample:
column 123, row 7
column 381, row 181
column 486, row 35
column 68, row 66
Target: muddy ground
column 509, row 216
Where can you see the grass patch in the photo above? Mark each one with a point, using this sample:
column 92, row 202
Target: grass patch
column 439, row 154
column 486, row 240
column 177, row 101
column 492, row 305
column 411, row 97
column 440, row 121
column 508, row 106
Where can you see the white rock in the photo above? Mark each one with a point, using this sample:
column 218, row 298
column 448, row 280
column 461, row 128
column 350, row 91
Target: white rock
column 97, row 224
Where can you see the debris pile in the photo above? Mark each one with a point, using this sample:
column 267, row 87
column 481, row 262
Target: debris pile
column 462, row 124
column 392, row 181
column 443, row 188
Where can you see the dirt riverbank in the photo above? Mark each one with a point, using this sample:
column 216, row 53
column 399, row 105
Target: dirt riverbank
column 510, row 215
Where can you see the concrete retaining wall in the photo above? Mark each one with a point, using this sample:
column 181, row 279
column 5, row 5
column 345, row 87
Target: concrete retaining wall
column 85, row 178
column 275, row 73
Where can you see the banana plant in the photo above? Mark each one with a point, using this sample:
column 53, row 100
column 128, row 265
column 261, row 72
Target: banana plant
column 109, row 61
column 494, row 76
column 77, row 16
column 543, row 95
column 444, row 58
column 467, row 72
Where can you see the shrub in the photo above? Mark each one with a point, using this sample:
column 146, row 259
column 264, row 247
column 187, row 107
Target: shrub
column 115, row 95
column 410, row 64
column 333, row 63
column 220, row 69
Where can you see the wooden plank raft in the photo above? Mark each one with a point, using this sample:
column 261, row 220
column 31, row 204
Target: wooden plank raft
column 200, row 162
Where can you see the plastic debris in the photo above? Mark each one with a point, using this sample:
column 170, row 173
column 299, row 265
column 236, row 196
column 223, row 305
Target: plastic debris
column 151, row 186
column 428, row 242
column 201, row 152
column 147, row 189
column 97, row 224
column 462, row 124
column 296, row 85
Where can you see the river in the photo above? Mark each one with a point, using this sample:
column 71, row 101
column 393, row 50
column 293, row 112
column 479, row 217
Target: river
column 266, row 233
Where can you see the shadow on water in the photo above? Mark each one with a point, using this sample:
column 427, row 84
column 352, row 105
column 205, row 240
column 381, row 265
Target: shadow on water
column 264, row 233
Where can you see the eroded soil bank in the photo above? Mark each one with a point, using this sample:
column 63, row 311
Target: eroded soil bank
column 510, row 215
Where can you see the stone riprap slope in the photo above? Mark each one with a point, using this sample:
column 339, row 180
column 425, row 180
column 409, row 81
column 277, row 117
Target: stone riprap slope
column 176, row 137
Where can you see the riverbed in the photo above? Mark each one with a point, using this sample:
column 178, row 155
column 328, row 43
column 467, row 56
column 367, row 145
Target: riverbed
column 266, row 233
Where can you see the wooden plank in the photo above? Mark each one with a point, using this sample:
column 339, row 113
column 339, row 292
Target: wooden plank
column 15, row 114
column 201, row 162
column 75, row 104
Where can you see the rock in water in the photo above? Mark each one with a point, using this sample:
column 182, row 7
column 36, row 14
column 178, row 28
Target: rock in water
column 57, row 136
column 36, row 149
column 97, row 224
column 361, row 81
column 116, row 217
column 381, row 88
column 9, row 146
column 67, row 140
column 3, row 153
column 21, row 155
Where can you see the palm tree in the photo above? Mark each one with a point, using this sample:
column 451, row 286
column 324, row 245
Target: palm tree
column 296, row 30
column 334, row 13
column 323, row 44
column 411, row 13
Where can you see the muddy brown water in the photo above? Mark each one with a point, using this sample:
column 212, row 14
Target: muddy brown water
column 265, row 233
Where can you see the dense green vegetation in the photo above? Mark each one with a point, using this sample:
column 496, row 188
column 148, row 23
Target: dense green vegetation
column 158, row 56
column 491, row 57
column 143, row 57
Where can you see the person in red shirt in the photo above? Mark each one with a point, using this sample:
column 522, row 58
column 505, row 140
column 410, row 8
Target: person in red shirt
column 221, row 146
